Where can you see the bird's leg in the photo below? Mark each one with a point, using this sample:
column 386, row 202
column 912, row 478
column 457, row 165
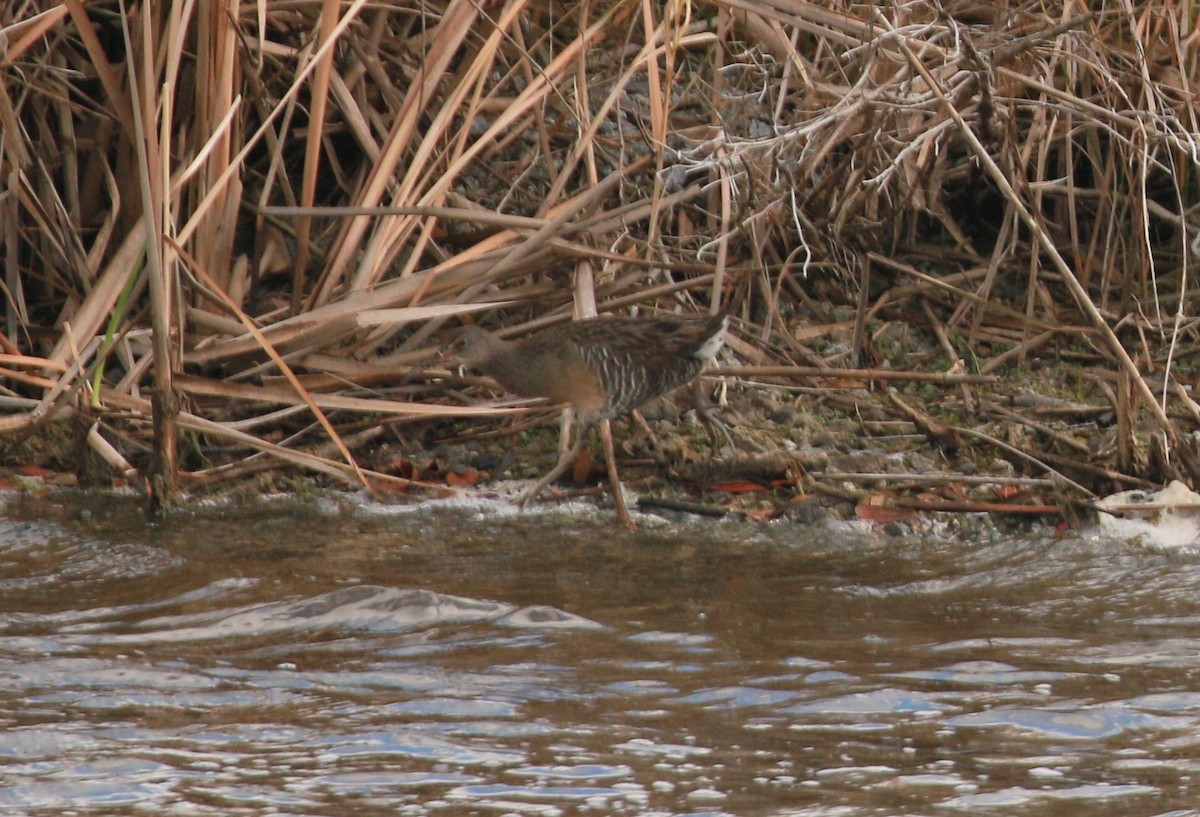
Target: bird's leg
column 637, row 418
column 564, row 462
column 614, row 480
column 708, row 416
column 564, row 429
column 657, row 449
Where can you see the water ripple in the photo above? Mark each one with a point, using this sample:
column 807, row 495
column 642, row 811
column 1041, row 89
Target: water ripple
column 292, row 663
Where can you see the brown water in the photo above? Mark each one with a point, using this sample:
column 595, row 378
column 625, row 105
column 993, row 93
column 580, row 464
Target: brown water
column 292, row 660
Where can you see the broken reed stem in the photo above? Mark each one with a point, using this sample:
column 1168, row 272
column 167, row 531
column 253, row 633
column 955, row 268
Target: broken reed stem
column 151, row 165
column 816, row 372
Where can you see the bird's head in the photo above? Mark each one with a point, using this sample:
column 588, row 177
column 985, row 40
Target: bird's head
column 472, row 345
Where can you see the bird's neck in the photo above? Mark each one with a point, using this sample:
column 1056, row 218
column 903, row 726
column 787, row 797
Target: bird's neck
column 520, row 374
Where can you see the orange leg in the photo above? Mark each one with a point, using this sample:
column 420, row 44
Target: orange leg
column 568, row 458
column 565, row 461
column 614, row 481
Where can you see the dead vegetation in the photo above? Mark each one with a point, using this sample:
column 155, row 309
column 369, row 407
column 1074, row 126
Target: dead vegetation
column 241, row 231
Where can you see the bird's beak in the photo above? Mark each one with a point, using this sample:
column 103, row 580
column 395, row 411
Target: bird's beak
column 449, row 349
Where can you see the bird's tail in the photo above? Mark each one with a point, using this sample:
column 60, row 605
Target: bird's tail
column 712, row 344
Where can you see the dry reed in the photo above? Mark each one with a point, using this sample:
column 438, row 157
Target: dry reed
column 231, row 221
